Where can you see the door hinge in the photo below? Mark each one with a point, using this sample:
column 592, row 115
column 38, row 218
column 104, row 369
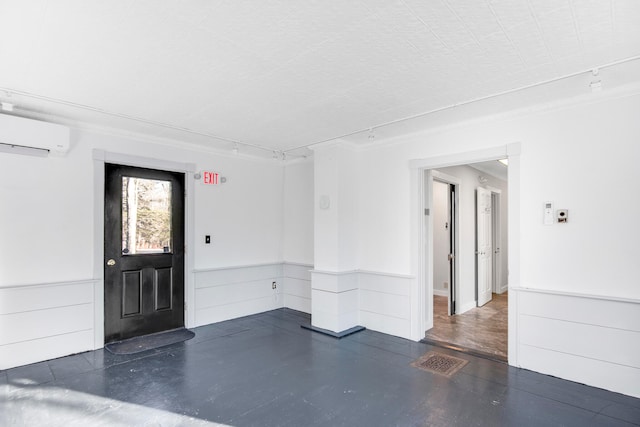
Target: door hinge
column 185, row 306
column 426, row 211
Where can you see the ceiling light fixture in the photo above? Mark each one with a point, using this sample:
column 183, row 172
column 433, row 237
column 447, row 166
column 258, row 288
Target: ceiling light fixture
column 504, row 161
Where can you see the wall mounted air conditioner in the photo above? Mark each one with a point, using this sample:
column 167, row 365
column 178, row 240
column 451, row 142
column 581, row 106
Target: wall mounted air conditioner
column 33, row 137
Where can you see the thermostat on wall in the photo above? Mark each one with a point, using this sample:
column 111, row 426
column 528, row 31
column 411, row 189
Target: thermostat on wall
column 548, row 213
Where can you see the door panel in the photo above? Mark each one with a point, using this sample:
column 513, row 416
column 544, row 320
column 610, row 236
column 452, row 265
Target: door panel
column 484, row 250
column 452, row 249
column 144, row 251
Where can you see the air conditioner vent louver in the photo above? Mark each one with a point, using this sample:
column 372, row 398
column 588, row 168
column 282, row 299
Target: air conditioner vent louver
column 26, row 136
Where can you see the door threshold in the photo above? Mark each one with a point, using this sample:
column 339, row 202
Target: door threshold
column 149, row 342
column 466, row 350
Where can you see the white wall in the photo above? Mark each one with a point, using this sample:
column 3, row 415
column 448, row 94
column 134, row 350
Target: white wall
column 440, row 214
column 47, row 242
column 582, row 156
column 47, row 210
column 298, row 212
column 573, row 156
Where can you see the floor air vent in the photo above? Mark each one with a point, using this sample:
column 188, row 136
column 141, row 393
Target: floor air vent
column 439, row 363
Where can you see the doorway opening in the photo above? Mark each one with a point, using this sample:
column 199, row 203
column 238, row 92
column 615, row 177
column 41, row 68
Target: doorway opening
column 467, row 205
column 144, row 241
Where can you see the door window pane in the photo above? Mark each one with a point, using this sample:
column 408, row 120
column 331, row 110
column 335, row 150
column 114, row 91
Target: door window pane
column 146, row 216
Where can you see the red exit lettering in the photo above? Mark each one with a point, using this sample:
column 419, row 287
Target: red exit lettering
column 210, row 177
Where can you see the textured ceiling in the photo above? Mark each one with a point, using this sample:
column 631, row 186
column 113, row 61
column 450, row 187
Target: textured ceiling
column 287, row 74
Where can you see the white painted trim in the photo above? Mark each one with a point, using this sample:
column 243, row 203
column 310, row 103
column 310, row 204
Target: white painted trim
column 446, row 178
column 385, row 302
column 382, row 273
column 513, row 250
column 48, row 284
column 190, row 235
column 100, row 157
column 144, row 162
column 420, row 292
column 47, row 320
column 98, row 249
column 457, row 159
column 441, row 292
column 236, row 267
column 335, row 273
column 299, row 264
column 559, row 342
column 575, row 294
column 419, row 239
column 378, row 273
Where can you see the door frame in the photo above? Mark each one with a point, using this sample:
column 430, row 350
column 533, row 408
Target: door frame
column 422, row 240
column 496, row 237
column 100, row 157
column 431, row 175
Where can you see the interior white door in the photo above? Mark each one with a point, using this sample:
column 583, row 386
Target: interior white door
column 484, row 248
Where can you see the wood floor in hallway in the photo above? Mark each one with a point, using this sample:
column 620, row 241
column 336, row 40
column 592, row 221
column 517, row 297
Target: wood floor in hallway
column 481, row 330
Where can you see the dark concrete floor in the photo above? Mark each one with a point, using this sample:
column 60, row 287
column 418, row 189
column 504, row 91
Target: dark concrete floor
column 264, row 370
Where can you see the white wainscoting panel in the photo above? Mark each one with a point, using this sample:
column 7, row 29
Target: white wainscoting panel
column 296, row 282
column 334, row 300
column 228, row 293
column 385, row 302
column 45, row 321
column 584, row 338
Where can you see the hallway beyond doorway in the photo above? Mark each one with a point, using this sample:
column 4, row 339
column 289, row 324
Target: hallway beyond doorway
column 481, row 330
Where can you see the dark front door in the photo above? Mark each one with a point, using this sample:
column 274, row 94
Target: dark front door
column 144, row 251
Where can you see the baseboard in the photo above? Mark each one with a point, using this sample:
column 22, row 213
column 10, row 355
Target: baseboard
column 441, row 292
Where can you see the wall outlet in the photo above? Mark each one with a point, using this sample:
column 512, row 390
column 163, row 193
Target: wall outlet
column 273, row 285
column 446, row 285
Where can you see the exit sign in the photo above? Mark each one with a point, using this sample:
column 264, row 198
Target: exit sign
column 210, row 178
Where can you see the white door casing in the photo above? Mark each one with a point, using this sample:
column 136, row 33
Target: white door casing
column 484, row 250
column 496, row 239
